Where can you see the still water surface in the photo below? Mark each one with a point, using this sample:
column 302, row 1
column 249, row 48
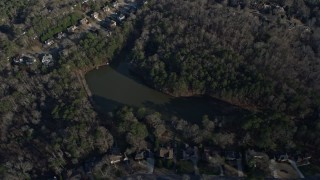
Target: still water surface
column 112, row 87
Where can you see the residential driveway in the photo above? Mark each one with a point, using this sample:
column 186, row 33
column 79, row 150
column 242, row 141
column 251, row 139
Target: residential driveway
column 294, row 165
column 150, row 164
column 273, row 168
column 240, row 169
column 221, row 170
column 195, row 160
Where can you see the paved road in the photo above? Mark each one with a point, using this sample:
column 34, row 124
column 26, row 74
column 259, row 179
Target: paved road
column 294, row 165
column 150, row 163
column 273, row 168
column 221, row 170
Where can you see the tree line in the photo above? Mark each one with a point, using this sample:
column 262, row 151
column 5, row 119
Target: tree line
column 251, row 60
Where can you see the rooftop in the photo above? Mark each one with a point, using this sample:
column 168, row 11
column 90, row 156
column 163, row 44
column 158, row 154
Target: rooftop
column 47, row 59
column 166, row 153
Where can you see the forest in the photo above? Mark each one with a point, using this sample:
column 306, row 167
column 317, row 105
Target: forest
column 61, row 26
column 261, row 55
column 263, row 61
column 47, row 124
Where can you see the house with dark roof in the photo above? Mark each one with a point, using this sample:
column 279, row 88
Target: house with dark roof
column 85, row 7
column 18, row 59
column 189, row 152
column 302, row 159
column 139, row 156
column 166, row 153
column 26, row 59
column 231, row 155
column 84, row 21
column 257, row 158
column 29, row 60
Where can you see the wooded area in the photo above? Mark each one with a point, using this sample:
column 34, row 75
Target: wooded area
column 262, row 55
column 253, row 60
column 48, row 126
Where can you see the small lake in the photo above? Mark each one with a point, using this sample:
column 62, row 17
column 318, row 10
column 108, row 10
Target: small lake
column 112, row 87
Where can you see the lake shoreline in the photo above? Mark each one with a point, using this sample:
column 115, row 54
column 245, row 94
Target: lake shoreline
column 114, row 86
column 246, row 106
column 81, row 74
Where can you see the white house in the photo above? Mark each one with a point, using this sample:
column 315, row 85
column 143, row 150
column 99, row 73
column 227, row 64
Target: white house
column 49, row 42
column 121, row 17
column 47, row 59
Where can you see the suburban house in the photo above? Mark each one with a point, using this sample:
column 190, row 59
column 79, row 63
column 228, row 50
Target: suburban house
column 61, row 35
column 72, row 28
column 188, row 152
column 166, row 153
column 27, row 59
column 47, row 59
column 84, row 21
column 126, row 11
column 139, row 156
column 115, row 154
column 281, row 157
column 125, row 159
column 267, row 7
column 114, row 159
column 144, row 2
column 257, row 158
column 49, row 42
column 85, row 7
column 302, row 159
column 18, row 59
column 210, row 154
column 257, row 155
column 121, row 17
column 115, row 4
column 278, row 10
column 109, row 33
column 106, row 9
column 95, row 15
column 113, row 23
